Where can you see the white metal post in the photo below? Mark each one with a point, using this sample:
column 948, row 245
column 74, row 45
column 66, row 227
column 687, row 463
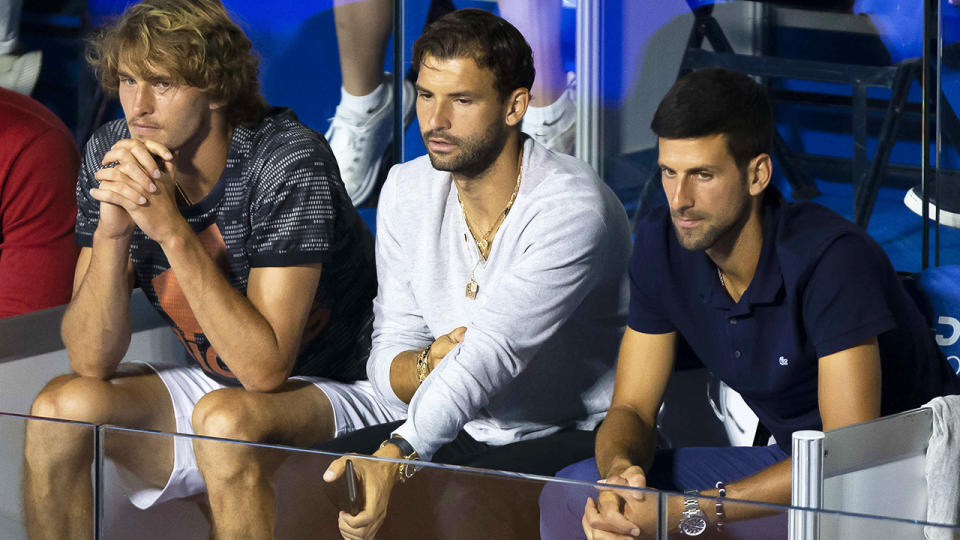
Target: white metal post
column 588, row 83
column 807, row 487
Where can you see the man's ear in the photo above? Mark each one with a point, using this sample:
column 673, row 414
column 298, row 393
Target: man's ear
column 516, row 106
column 759, row 173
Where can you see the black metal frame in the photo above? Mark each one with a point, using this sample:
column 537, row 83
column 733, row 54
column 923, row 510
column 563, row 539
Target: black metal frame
column 866, row 174
column 931, row 24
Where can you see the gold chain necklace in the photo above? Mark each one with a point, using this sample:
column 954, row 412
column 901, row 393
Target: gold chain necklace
column 483, row 243
column 183, row 195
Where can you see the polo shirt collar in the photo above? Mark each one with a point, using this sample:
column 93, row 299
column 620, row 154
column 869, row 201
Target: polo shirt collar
column 767, row 280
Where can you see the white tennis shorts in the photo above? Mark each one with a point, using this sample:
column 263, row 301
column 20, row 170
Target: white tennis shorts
column 355, row 405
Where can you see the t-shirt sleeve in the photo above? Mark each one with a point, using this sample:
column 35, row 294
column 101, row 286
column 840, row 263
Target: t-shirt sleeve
column 294, row 207
column 845, row 301
column 646, row 309
column 88, row 208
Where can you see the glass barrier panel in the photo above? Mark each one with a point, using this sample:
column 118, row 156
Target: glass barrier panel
column 286, row 486
column 36, row 489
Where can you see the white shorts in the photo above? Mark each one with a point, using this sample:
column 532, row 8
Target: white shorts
column 355, row 405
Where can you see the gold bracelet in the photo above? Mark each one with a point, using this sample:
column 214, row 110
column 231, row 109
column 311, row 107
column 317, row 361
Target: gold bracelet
column 405, row 470
column 423, row 367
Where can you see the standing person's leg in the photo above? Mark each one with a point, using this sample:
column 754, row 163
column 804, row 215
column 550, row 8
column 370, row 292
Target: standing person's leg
column 363, row 124
column 302, row 413
column 58, row 494
column 539, row 22
column 551, row 117
column 18, row 72
column 9, row 24
column 363, row 28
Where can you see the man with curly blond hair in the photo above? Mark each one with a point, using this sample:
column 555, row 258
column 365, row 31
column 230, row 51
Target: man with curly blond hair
column 232, row 219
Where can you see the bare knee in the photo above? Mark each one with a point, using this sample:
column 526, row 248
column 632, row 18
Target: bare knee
column 229, row 413
column 71, row 397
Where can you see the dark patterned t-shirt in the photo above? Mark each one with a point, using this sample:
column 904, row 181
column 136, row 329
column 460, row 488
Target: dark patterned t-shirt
column 279, row 202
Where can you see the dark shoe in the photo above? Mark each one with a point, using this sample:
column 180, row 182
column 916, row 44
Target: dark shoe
column 948, row 202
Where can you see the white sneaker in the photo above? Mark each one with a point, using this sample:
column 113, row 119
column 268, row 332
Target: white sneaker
column 949, row 203
column 560, row 133
column 19, row 72
column 358, row 140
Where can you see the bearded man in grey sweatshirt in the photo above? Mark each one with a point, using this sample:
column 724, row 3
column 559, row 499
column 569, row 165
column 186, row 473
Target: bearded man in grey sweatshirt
column 502, row 284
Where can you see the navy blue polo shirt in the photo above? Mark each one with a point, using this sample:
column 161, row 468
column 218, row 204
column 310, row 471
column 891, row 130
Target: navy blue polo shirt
column 821, row 286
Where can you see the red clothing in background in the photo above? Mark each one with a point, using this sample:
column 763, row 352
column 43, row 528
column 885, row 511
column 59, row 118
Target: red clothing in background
column 38, row 206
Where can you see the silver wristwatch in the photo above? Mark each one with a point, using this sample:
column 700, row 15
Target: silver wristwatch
column 694, row 521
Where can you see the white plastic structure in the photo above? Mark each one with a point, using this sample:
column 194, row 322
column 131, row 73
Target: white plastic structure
column 807, row 486
column 874, row 468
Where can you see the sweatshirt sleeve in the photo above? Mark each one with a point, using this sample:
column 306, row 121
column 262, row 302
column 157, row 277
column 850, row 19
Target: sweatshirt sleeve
column 561, row 254
column 398, row 322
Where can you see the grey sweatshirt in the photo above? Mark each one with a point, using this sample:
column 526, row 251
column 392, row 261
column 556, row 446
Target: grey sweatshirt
column 542, row 334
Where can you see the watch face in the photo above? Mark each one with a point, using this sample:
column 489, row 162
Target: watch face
column 409, row 470
column 693, row 525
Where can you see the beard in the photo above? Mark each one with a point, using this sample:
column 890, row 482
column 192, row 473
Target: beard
column 712, row 229
column 473, row 155
column 701, row 238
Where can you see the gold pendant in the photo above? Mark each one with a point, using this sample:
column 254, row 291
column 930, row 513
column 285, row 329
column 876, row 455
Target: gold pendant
column 472, row 289
column 482, row 244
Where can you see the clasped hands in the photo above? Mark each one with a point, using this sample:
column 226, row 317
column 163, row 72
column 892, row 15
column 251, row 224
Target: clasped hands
column 138, row 188
column 378, row 478
column 621, row 514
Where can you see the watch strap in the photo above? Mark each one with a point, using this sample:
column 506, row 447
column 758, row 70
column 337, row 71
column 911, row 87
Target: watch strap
column 408, row 452
column 406, row 449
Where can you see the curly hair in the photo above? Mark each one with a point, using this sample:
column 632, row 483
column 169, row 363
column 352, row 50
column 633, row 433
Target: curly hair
column 195, row 41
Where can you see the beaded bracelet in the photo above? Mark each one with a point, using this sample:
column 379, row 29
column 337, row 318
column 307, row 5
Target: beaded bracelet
column 722, row 488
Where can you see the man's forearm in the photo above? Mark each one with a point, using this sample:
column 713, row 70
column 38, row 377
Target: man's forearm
column 771, row 485
column 403, row 375
column 96, row 325
column 624, row 439
column 241, row 335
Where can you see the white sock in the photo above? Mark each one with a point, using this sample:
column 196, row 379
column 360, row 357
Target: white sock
column 543, row 115
column 364, row 104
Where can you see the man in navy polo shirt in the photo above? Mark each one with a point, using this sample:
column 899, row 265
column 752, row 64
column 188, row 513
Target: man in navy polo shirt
column 789, row 304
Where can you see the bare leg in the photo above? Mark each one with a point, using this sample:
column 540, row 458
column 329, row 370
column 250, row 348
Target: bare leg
column 58, row 496
column 9, row 24
column 299, row 414
column 363, row 27
column 539, row 22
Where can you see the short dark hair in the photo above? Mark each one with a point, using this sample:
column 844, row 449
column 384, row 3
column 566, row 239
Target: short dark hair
column 717, row 100
column 490, row 41
column 195, row 41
